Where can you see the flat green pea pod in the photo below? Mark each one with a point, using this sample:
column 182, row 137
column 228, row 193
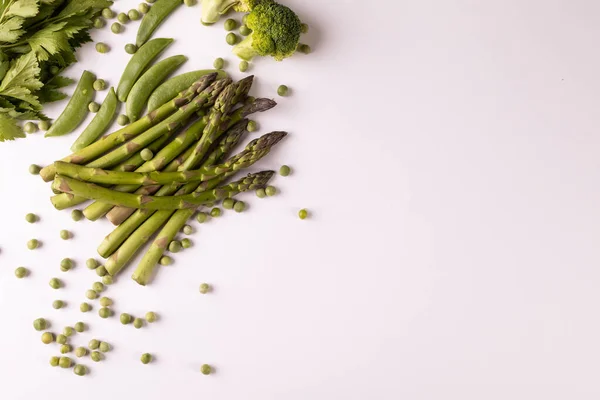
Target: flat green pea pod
column 171, row 88
column 100, row 123
column 77, row 109
column 157, row 14
column 143, row 88
column 138, row 64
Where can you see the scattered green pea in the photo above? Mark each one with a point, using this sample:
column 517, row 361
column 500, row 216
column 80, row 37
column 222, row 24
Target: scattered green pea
column 123, row 18
column 91, row 294
column 228, row 203
column 260, row 193
column 99, row 85
column 231, row 38
column 284, row 170
column 166, row 260
column 138, row 323
column 33, row 244
column 147, row 154
column 204, row 288
column 151, row 317
column 79, row 327
column 66, row 264
column 219, row 63
column 304, row 48
column 54, row 361
column 303, row 214
column 125, row 318
column 134, row 15
column 91, row 263
column 44, row 125
column 175, row 246
column 245, row 31
column 30, row 127
column 76, row 215
column 99, row 23
column 230, row 24
column 130, row 48
column 304, row 28
column 143, row 8
column 123, row 120
column 252, row 126
column 188, row 230
column 271, row 191
column 98, row 287
column 34, row 169
column 102, row 48
column 61, row 339
column 104, row 312
column 94, row 107
column 65, row 234
column 106, row 302
column 186, row 243
column 81, row 352
column 116, row 27
column 239, row 206
column 215, row 212
column 94, row 344
column 244, row 66
column 55, row 283
column 104, row 347
column 108, row 13
column 146, row 358
column 85, row 307
column 282, row 90
column 107, row 280
column 189, row 3
column 58, row 304
column 21, row 272
column 65, row 348
column 205, row 369
column 68, row 331
column 65, row 362
column 101, row 271
column 201, row 217
column 96, row 356
column 47, row 337
column 80, row 370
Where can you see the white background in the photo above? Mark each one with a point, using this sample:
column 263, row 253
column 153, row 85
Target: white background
column 449, row 152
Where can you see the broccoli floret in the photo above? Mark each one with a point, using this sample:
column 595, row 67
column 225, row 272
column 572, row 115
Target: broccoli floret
column 247, row 5
column 275, row 32
column 213, row 9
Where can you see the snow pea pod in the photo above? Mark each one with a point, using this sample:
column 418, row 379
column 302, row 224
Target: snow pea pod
column 157, row 14
column 138, row 63
column 171, row 88
column 77, row 108
column 100, row 123
column 154, row 76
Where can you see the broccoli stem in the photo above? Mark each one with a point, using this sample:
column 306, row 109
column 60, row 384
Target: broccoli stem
column 213, row 9
column 244, row 49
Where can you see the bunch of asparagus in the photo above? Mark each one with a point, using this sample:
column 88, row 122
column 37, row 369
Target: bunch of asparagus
column 191, row 167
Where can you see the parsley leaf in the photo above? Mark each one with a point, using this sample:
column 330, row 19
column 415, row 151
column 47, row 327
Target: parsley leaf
column 9, row 130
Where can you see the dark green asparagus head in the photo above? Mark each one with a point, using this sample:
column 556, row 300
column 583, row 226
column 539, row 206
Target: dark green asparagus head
column 242, row 89
column 256, row 105
column 203, row 82
column 266, row 141
column 215, row 90
column 258, row 180
column 233, row 136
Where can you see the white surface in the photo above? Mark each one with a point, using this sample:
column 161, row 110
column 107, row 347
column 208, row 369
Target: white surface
column 449, row 152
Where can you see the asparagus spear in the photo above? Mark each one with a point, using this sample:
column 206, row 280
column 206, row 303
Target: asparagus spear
column 103, row 145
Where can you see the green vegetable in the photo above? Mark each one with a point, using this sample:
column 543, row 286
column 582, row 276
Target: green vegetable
column 213, row 9
column 76, row 215
column 54, row 361
column 85, row 307
column 108, row 13
column 231, row 38
column 201, row 217
column 96, row 356
column 186, row 243
column 65, row 234
column 102, row 48
column 99, row 85
column 252, row 125
column 106, row 302
column 117, row 28
column 99, row 23
column 65, row 362
column 239, row 206
column 261, row 193
column 228, row 204
column 123, row 120
column 98, row 287
column 166, row 260
column 285, row 170
column 205, row 369
column 76, row 110
column 91, row 294
column 304, row 48
column 33, row 169
column 175, row 246
column 271, row 191
column 94, row 344
column 138, row 323
column 44, row 125
column 101, row 271
column 125, row 318
column 68, row 331
column 303, row 214
column 146, row 358
column 58, row 304
column 55, row 283
column 150, row 80
column 147, row 154
column 21, row 272
column 47, row 337
column 218, row 63
column 143, row 8
column 134, row 15
column 81, row 352
column 244, row 66
column 123, row 18
column 80, row 370
column 151, row 317
column 33, row 244
column 79, row 327
column 107, row 280
column 204, row 288
column 245, row 31
column 66, row 264
column 61, row 339
column 100, row 123
column 304, row 28
column 230, row 24
column 152, row 20
column 104, row 347
column 130, row 48
column 30, row 127
column 65, row 348
column 215, row 212
column 104, row 312
column 188, row 230
column 282, row 90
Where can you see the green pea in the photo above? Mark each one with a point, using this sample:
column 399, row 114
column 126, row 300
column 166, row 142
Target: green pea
column 175, row 246
column 304, row 48
column 81, row 352
column 205, row 369
column 244, row 19
column 189, row 3
column 134, row 15
column 65, row 362
column 130, row 48
column 79, row 327
column 147, row 154
column 146, row 358
column 101, row 271
column 138, row 323
column 91, row 294
column 44, row 125
column 55, row 283
column 215, row 212
column 204, row 288
column 47, row 337
column 201, row 217
column 99, row 23
column 65, row 234
column 99, row 84
column 107, row 280
column 303, row 214
column 304, row 28
column 68, row 331
column 65, row 348
column 230, row 24
column 123, row 18
column 58, row 304
column 98, row 287
column 228, row 204
column 80, row 370
column 106, row 302
column 166, row 260
column 61, row 339
column 231, row 38
column 125, row 318
column 54, row 361
column 108, row 13
column 245, row 31
column 104, row 347
column 239, row 206
column 151, row 317
column 282, row 90
column 104, row 312
column 30, row 127
column 102, row 48
column 34, row 169
column 85, row 307
column 244, row 66
column 33, row 244
column 271, row 191
column 188, row 230
column 91, row 263
column 21, row 272
column 93, row 344
column 252, row 126
column 76, row 215
column 143, row 8
column 219, row 63
column 123, row 120
column 260, row 193
column 94, row 107
column 116, row 27
column 96, row 356
column 284, row 170
column 186, row 243
column 66, row 264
